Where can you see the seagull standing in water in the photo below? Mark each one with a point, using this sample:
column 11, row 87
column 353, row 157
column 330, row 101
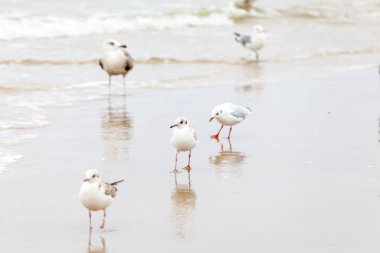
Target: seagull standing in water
column 184, row 139
column 115, row 59
column 253, row 42
column 228, row 114
column 96, row 195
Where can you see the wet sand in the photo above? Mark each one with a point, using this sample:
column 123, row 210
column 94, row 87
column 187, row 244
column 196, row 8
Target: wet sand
column 302, row 173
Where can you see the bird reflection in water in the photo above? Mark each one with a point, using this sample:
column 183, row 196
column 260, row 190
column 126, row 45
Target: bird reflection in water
column 116, row 128
column 227, row 160
column 93, row 249
column 256, row 84
column 183, row 201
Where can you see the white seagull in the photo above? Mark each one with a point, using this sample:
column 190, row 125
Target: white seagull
column 253, row 42
column 96, row 195
column 115, row 59
column 228, row 114
column 184, row 139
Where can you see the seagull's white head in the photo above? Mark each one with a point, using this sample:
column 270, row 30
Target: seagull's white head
column 112, row 44
column 216, row 113
column 258, row 29
column 92, row 175
column 180, row 122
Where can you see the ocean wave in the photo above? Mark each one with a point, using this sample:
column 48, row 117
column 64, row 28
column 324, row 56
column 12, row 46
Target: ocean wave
column 37, row 26
column 6, row 159
column 336, row 10
column 49, row 26
column 34, row 121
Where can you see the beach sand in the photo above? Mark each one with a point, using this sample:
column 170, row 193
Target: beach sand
column 302, row 175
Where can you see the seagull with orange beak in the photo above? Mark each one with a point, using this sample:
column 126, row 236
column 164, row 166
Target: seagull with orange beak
column 228, row 114
column 184, row 139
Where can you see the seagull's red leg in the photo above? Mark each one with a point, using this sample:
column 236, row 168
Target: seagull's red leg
column 216, row 136
column 229, row 143
column 104, row 219
column 89, row 240
column 188, row 168
column 89, row 216
column 175, row 164
column 229, row 135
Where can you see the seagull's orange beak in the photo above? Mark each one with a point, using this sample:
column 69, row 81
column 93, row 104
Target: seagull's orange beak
column 211, row 119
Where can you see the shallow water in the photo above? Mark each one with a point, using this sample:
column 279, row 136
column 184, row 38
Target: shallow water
column 301, row 171
column 50, row 51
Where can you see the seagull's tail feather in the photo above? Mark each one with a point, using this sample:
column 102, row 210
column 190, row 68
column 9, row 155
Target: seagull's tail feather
column 114, row 187
column 115, row 183
column 249, row 109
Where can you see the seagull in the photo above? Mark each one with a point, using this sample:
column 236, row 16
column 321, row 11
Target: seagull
column 115, row 60
column 253, row 42
column 96, row 195
column 244, row 4
column 184, row 139
column 228, row 114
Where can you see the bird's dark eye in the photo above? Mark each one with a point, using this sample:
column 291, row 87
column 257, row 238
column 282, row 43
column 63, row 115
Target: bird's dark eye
column 111, row 43
column 93, row 176
column 181, row 122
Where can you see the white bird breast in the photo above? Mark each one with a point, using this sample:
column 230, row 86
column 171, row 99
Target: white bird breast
column 93, row 197
column 256, row 45
column 228, row 120
column 183, row 139
column 114, row 62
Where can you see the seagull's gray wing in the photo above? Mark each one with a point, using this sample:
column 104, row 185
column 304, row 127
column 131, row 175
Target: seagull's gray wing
column 240, row 112
column 243, row 39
